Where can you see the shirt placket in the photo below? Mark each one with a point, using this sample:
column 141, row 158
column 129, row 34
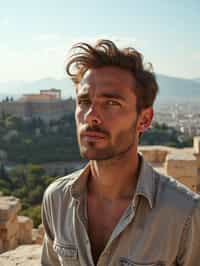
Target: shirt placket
column 125, row 220
column 82, row 222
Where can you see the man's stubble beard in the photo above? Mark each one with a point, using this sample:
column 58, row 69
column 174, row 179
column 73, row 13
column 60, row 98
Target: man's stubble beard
column 123, row 143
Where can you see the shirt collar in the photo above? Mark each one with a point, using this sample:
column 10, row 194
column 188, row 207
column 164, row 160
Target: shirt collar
column 146, row 182
column 79, row 183
column 145, row 185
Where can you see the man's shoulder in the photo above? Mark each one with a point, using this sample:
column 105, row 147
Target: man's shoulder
column 173, row 193
column 62, row 184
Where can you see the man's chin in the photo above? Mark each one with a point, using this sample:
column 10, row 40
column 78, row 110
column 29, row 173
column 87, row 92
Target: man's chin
column 96, row 155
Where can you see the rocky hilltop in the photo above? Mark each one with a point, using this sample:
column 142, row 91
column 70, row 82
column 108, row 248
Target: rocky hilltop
column 22, row 256
column 20, row 243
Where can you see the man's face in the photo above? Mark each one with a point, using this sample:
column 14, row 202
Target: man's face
column 106, row 116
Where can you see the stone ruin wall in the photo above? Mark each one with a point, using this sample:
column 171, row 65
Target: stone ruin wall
column 16, row 230
column 182, row 164
column 45, row 110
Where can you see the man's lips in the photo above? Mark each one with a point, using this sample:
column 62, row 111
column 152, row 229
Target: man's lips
column 92, row 135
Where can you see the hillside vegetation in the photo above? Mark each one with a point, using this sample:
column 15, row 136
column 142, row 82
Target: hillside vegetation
column 36, row 142
column 32, row 143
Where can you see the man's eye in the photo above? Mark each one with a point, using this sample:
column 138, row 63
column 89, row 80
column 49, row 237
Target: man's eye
column 113, row 103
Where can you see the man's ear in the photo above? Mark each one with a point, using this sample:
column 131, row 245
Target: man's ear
column 145, row 119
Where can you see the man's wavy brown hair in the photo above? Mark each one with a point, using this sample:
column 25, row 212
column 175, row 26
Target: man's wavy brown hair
column 105, row 53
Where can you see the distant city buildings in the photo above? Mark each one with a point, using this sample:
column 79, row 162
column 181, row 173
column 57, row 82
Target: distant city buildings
column 184, row 117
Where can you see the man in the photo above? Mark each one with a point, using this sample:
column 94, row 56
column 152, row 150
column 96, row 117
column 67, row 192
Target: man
column 117, row 210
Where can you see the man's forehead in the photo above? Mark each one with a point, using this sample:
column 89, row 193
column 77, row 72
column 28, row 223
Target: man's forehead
column 106, row 87
column 107, row 76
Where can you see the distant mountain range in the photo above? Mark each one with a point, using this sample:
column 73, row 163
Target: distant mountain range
column 178, row 89
column 171, row 88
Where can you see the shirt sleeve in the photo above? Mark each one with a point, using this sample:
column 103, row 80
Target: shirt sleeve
column 49, row 256
column 189, row 252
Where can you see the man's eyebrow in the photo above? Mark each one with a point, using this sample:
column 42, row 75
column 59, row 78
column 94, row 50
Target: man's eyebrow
column 113, row 96
column 103, row 95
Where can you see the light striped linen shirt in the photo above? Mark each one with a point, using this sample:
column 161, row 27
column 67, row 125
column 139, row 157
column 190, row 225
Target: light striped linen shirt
column 161, row 226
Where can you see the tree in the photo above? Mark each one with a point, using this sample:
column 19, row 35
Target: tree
column 3, row 173
column 34, row 213
column 35, row 170
column 35, row 195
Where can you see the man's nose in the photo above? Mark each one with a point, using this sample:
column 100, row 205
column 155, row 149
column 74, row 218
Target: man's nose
column 92, row 116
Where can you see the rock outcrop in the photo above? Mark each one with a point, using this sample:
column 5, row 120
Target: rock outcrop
column 16, row 230
column 182, row 164
column 9, row 226
column 25, row 255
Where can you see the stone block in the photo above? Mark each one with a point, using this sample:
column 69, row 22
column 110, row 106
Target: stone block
column 9, row 206
column 11, row 243
column 196, row 145
column 154, row 154
column 25, row 223
column 1, row 245
column 9, row 233
column 9, row 227
column 198, row 160
column 5, row 224
column 41, row 230
column 25, row 230
column 37, row 237
column 181, row 165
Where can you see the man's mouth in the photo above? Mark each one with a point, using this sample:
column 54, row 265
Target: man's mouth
column 92, row 136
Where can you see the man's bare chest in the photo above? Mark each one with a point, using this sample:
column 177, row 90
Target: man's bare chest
column 102, row 219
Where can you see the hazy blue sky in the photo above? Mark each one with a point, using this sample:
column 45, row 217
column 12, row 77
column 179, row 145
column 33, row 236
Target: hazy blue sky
column 35, row 35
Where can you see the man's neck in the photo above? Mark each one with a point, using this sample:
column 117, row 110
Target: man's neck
column 114, row 179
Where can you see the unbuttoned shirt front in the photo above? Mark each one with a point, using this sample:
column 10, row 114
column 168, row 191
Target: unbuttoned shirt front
column 160, row 227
